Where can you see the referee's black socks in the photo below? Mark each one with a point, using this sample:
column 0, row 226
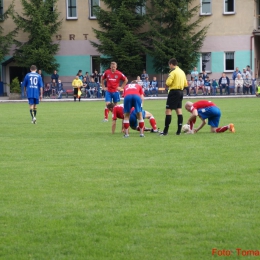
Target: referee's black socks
column 168, row 119
column 180, row 120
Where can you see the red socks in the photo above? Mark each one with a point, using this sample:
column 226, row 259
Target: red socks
column 106, row 112
column 222, row 129
column 153, row 123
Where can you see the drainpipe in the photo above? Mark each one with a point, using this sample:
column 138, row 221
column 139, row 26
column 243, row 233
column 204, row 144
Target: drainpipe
column 251, row 51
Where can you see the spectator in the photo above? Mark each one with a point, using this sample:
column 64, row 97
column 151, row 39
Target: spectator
column 93, row 86
column 53, row 88
column 77, row 84
column 146, row 87
column 47, row 91
column 60, row 89
column 193, row 86
column 207, row 86
column 87, row 77
column 84, row 87
column 194, row 74
column 214, row 87
column 139, row 81
column 55, row 76
column 187, row 88
column 96, row 76
column 244, row 73
column 224, row 84
column 235, row 73
column 238, row 84
column 154, row 87
column 250, row 72
column 144, row 75
column 204, row 75
column 80, row 75
column 257, row 92
column 200, row 85
column 40, row 73
column 247, row 85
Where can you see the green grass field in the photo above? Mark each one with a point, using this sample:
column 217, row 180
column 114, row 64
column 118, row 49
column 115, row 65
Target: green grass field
column 72, row 190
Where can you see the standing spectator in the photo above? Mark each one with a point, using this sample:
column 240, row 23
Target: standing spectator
column 53, row 88
column 55, row 76
column 133, row 97
column 60, row 89
column 40, row 73
column 250, row 72
column 96, row 76
column 206, row 110
column 204, row 75
column 247, row 85
column 176, row 82
column 238, row 84
column 77, row 84
column 80, row 75
column 154, row 87
column 144, row 75
column 112, row 78
column 214, row 87
column 194, row 74
column 224, row 84
column 235, row 73
column 32, row 83
column 146, row 86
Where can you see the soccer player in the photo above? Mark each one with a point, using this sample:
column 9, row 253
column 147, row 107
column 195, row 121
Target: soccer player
column 206, row 110
column 32, row 83
column 112, row 77
column 133, row 97
column 118, row 113
column 176, row 82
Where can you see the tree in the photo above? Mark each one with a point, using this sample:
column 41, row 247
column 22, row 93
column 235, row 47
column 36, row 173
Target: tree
column 40, row 21
column 7, row 40
column 174, row 33
column 120, row 36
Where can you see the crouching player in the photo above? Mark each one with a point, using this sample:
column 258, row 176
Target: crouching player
column 206, row 110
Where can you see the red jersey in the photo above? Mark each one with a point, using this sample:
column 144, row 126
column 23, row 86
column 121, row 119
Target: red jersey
column 133, row 89
column 118, row 112
column 202, row 104
column 113, row 79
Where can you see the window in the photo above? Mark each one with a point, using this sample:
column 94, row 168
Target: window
column 1, row 9
column 205, row 8
column 206, row 61
column 93, row 5
column 140, row 10
column 229, row 6
column 72, row 9
column 229, row 62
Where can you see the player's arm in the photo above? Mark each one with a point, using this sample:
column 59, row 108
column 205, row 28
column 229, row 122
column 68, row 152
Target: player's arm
column 113, row 126
column 201, row 125
column 123, row 85
column 193, row 116
column 102, row 83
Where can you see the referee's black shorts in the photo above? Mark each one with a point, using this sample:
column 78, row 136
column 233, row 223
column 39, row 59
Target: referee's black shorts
column 174, row 100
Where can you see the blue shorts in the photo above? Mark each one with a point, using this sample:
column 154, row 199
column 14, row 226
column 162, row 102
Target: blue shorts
column 213, row 115
column 132, row 101
column 33, row 101
column 133, row 119
column 112, row 96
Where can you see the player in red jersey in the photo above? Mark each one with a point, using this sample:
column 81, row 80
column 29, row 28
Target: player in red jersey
column 133, row 97
column 206, row 110
column 112, row 77
column 118, row 113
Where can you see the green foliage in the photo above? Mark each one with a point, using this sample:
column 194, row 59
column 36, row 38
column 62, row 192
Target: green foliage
column 69, row 193
column 7, row 40
column 172, row 34
column 120, row 37
column 40, row 21
column 15, row 86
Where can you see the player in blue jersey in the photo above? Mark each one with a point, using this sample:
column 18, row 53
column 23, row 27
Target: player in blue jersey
column 33, row 87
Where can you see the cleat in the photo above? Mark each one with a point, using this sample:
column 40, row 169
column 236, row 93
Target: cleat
column 148, row 129
column 105, row 120
column 162, row 133
column 231, row 128
column 178, row 133
column 141, row 135
column 34, row 120
column 155, row 131
column 126, row 136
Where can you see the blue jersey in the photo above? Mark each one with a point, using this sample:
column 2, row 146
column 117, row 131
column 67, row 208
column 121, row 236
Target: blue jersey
column 33, row 83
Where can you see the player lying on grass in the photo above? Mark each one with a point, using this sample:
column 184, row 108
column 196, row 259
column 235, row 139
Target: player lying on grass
column 118, row 113
column 206, row 110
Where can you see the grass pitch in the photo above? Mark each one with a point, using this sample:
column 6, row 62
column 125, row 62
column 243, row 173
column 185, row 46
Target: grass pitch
column 72, row 190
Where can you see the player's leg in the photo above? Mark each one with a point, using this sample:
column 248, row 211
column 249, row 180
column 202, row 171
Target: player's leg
column 108, row 99
column 152, row 121
column 75, row 93
column 127, row 110
column 133, row 121
column 137, row 103
column 178, row 110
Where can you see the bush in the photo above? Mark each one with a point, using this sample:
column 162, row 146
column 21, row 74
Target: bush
column 15, row 86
